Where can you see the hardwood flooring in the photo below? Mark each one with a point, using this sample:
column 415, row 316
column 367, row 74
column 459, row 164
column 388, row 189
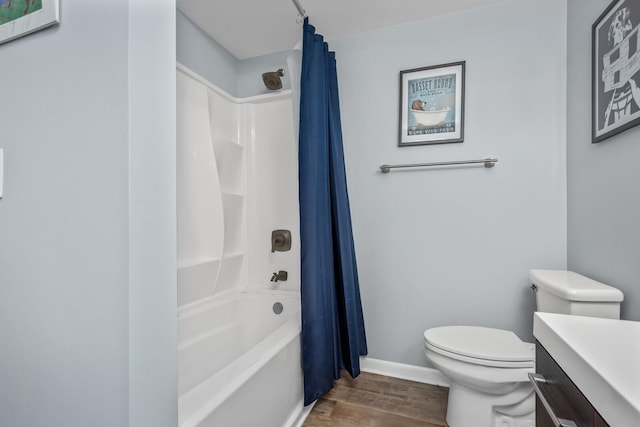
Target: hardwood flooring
column 378, row 401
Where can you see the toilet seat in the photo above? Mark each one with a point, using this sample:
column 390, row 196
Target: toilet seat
column 481, row 346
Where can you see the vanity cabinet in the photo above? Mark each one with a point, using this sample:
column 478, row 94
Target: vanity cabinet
column 563, row 398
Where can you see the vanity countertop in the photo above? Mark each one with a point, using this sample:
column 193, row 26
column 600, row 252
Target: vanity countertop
column 601, row 356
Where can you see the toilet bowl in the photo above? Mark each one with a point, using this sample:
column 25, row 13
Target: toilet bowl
column 488, row 371
column 487, row 368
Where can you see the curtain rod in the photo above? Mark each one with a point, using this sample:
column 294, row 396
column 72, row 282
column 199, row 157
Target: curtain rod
column 298, row 6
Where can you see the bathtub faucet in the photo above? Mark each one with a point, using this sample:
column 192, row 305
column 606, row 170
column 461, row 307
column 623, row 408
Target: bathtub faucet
column 280, row 275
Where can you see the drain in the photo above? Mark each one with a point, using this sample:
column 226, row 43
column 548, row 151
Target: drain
column 277, row 308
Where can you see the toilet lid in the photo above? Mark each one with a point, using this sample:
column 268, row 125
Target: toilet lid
column 493, row 347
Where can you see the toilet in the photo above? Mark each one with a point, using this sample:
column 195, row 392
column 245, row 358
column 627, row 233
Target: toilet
column 487, row 368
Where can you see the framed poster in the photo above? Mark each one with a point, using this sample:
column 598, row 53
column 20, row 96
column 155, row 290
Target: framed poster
column 21, row 17
column 615, row 70
column 432, row 105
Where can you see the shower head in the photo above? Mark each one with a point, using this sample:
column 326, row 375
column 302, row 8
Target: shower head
column 272, row 79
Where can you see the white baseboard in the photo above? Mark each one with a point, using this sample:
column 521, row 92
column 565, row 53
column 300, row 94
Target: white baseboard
column 301, row 414
column 406, row 372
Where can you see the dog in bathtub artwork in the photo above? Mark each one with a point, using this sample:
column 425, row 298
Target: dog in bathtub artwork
column 425, row 115
column 432, row 104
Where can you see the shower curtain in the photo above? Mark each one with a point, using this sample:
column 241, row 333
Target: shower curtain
column 333, row 335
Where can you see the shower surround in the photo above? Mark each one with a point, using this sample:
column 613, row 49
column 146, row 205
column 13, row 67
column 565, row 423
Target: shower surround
column 238, row 332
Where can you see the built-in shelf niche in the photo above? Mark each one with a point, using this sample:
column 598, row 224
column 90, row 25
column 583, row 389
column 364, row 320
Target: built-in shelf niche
column 217, row 175
column 230, row 156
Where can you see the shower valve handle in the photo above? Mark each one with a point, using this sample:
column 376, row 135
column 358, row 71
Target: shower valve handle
column 280, row 240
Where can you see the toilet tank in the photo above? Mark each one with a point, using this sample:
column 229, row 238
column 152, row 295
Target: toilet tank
column 566, row 292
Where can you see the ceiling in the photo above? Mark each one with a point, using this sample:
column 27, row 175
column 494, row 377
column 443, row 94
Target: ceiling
column 249, row 28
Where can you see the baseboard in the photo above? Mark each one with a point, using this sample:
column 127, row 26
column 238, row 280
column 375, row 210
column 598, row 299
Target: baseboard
column 301, row 414
column 406, row 372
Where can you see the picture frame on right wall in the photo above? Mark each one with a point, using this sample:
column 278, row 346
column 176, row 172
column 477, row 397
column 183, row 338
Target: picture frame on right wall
column 432, row 105
column 21, row 17
column 616, row 70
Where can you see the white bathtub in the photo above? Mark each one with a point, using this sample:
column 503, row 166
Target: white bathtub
column 239, row 362
column 430, row 118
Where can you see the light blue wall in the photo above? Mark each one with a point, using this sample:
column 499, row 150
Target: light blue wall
column 202, row 54
column 241, row 78
column 454, row 246
column 80, row 147
column 64, row 221
column 153, row 365
column 604, row 195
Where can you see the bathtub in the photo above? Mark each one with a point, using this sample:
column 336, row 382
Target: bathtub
column 239, row 362
column 430, row 118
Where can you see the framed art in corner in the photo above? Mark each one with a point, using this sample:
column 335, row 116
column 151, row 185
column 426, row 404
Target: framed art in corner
column 21, row 17
column 615, row 70
column 432, row 105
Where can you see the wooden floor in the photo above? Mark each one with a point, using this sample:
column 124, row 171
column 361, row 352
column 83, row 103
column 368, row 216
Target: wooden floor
column 378, row 401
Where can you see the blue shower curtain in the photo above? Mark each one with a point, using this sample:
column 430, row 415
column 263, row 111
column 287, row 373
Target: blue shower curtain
column 333, row 335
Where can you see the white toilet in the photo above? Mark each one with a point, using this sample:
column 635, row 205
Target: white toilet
column 487, row 368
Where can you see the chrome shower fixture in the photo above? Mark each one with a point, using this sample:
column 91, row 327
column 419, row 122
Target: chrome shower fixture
column 272, row 79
